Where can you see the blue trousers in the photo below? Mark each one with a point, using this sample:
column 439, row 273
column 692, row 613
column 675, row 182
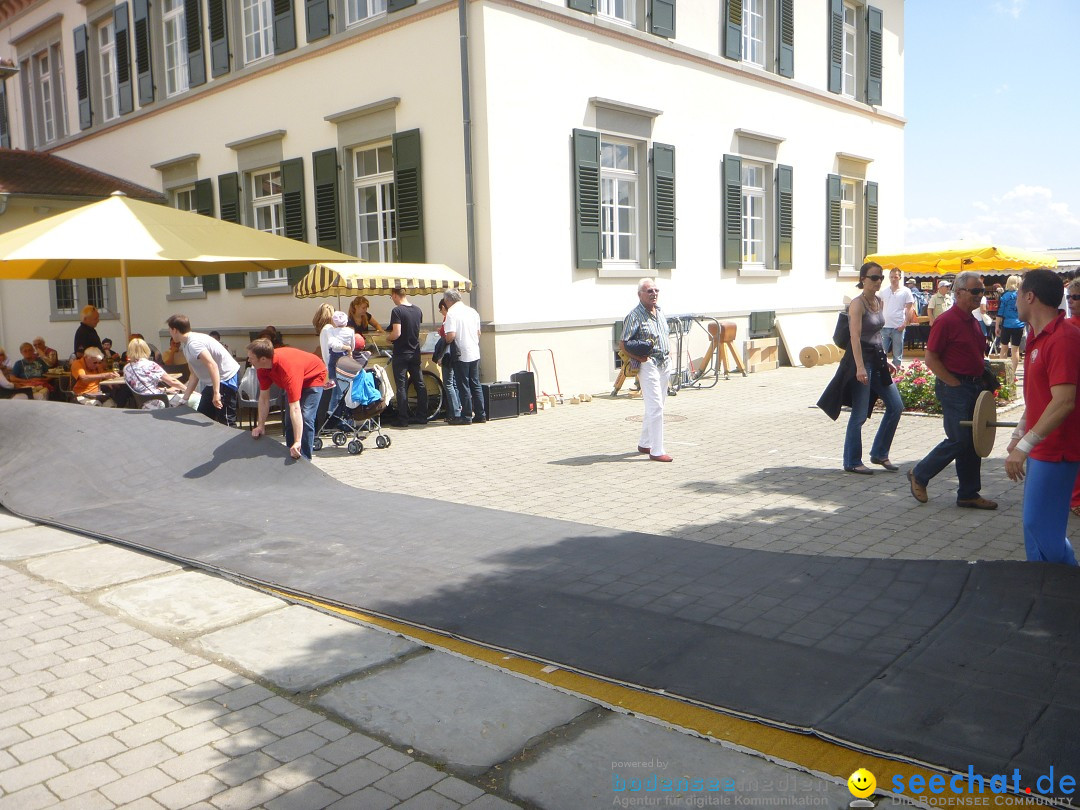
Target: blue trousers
column 860, row 401
column 957, row 405
column 453, row 400
column 892, row 341
column 309, row 406
column 1048, row 489
column 467, row 376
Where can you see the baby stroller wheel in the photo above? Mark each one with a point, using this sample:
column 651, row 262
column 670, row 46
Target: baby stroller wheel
column 356, row 447
column 382, row 441
column 339, row 438
column 316, row 444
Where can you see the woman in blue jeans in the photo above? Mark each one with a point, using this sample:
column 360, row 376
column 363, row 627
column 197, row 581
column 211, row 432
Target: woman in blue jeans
column 873, row 374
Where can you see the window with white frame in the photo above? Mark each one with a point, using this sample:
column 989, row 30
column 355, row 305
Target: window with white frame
column 43, row 94
column 258, row 22
column 376, row 214
column 753, row 32
column 618, row 201
column 97, row 294
column 848, row 216
column 620, row 10
column 110, row 92
column 269, row 216
column 184, row 200
column 357, row 11
column 174, row 40
column 65, row 297
column 850, row 38
column 753, row 213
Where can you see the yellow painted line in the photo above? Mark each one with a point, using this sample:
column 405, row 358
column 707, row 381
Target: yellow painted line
column 803, row 750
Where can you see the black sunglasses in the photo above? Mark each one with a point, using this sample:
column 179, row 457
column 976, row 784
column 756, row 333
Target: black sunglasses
column 1074, row 297
column 974, row 290
column 874, row 278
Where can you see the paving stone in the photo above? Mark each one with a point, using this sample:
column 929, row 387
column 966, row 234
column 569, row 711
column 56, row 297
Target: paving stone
column 308, row 797
column 348, row 748
column 368, row 798
column 410, row 780
column 204, row 758
column 31, row 798
column 184, row 794
column 96, row 750
column 253, row 793
column 52, row 722
column 146, row 731
column 194, row 737
column 98, row 566
column 458, row 712
column 8, row 522
column 459, row 791
column 146, row 803
column 246, row 695
column 242, row 769
column 311, row 649
column 294, row 721
column 188, row 602
column 41, row 746
column 101, row 706
column 145, row 756
column 99, row 726
column 252, row 739
column 330, row 730
column 489, row 802
column 151, row 708
column 298, row 772
column 389, row 758
column 429, row 800
column 91, row 800
column 136, row 786
column 18, row 544
column 354, row 776
column 77, row 782
column 295, row 746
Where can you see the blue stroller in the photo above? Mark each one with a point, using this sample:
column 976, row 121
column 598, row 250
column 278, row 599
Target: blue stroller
column 357, row 414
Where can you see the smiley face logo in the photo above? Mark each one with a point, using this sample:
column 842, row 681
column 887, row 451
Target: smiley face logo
column 862, row 783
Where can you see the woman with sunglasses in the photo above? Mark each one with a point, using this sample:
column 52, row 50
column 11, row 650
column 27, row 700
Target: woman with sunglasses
column 864, row 376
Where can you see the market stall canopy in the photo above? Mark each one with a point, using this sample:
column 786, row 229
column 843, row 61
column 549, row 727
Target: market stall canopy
column 955, row 257
column 375, row 278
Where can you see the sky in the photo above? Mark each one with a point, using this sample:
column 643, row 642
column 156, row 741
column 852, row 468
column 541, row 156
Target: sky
column 993, row 124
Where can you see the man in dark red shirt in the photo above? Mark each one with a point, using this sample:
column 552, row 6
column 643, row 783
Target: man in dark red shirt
column 302, row 376
column 1047, row 437
column 954, row 353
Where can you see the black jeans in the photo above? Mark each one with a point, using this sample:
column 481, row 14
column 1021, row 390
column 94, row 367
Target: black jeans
column 407, row 370
column 226, row 415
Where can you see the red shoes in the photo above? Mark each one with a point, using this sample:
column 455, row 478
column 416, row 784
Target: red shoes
column 664, row 457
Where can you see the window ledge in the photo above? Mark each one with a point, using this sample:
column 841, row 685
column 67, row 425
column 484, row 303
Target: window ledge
column 189, row 296
column 621, row 270
column 758, row 271
column 848, row 271
column 256, row 140
column 284, row 289
column 367, row 109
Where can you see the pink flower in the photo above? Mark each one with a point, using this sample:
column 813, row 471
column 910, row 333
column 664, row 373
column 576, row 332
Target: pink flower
column 919, row 381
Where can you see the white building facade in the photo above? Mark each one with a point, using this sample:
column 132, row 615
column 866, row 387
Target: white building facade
column 747, row 153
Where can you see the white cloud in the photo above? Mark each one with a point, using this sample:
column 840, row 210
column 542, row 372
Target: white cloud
column 1011, row 8
column 1024, row 217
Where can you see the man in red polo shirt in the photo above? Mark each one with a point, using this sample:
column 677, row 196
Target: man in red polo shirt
column 954, row 353
column 1047, row 437
column 302, row 376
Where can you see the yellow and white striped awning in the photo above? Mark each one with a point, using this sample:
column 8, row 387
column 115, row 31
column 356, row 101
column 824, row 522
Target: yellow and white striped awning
column 373, row 278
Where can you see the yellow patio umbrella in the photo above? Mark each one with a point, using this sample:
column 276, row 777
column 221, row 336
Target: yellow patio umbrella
column 379, row 278
column 956, row 257
column 122, row 237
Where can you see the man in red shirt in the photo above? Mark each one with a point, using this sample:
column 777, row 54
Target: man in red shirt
column 954, row 353
column 1051, row 445
column 302, row 376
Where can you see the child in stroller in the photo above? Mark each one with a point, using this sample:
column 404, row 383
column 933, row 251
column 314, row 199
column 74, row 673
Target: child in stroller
column 362, row 398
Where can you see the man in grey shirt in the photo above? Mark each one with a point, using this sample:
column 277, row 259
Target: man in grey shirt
column 212, row 367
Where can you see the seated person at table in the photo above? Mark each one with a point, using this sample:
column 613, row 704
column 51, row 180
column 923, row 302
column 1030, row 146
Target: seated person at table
column 107, row 350
column 46, row 354
column 88, row 372
column 8, row 389
column 174, row 355
column 30, row 370
column 145, row 377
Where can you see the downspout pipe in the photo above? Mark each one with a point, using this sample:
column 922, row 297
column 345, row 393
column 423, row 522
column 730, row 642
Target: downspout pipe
column 466, row 116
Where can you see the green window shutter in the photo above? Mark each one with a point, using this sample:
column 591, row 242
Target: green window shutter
column 408, row 189
column 398, row 5
column 211, row 283
column 836, row 46
column 218, row 25
column 292, row 201
column 662, row 194
column 785, row 35
column 833, row 207
column 586, row 147
column 733, row 29
column 662, row 18
column 144, row 72
column 317, row 18
column 125, row 104
column 82, row 78
column 587, row 6
column 229, row 206
column 874, row 27
column 204, row 197
column 284, row 26
column 732, row 212
column 871, row 218
column 327, row 227
column 784, row 219
column 235, row 281
column 196, row 56
column 5, row 126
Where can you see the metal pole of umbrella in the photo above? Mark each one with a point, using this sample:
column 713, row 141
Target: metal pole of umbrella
column 127, row 303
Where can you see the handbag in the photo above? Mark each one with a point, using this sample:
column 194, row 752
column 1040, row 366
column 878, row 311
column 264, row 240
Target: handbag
column 841, row 335
column 638, row 346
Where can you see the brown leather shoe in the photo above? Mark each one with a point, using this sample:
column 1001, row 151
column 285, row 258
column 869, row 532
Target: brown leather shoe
column 918, row 491
column 977, row 503
column 643, row 450
column 665, row 457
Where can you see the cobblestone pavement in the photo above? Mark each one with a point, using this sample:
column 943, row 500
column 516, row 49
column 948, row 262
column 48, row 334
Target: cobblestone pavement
column 756, row 466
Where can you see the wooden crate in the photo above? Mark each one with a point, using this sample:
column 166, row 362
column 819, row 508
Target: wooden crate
column 761, row 354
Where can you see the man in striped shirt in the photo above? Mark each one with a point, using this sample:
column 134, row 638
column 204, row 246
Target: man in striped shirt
column 646, row 321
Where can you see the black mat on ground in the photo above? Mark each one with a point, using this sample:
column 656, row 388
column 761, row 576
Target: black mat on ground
column 945, row 662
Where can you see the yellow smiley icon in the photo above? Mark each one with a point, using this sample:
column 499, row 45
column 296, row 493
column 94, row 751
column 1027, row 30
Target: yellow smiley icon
column 862, row 783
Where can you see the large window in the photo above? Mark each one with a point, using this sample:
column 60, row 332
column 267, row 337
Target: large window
column 848, row 216
column 43, row 93
column 65, row 297
column 110, row 93
column 373, row 189
column 174, row 40
column 184, row 200
column 258, row 20
column 621, row 10
column 269, row 216
column 360, row 10
column 618, row 201
column 753, row 32
column 753, row 213
column 850, row 38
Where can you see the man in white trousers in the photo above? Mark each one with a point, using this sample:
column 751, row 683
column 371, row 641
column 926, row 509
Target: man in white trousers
column 646, row 321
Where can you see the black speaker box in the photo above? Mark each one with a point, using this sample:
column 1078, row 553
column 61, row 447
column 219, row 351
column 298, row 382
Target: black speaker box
column 500, row 399
column 526, row 381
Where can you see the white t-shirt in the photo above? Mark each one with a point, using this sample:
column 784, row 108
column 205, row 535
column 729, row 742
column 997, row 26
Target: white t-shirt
column 195, row 345
column 464, row 322
column 895, row 306
column 335, row 339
